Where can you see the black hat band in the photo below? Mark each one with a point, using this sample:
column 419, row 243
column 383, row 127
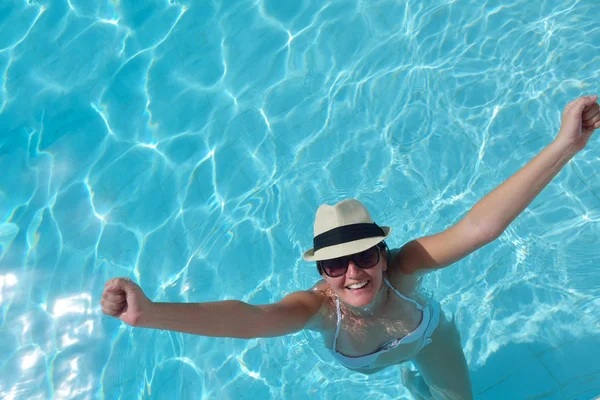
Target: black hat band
column 345, row 234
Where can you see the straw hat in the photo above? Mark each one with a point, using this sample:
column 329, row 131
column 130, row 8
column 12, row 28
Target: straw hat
column 343, row 229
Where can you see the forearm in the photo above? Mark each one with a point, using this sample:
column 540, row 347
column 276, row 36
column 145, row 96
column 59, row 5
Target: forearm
column 499, row 208
column 230, row 318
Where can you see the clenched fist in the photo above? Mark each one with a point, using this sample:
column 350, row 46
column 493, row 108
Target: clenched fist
column 580, row 118
column 125, row 300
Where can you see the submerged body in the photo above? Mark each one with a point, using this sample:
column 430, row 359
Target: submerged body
column 405, row 345
column 405, row 326
column 368, row 343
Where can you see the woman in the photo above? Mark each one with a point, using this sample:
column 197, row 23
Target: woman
column 367, row 306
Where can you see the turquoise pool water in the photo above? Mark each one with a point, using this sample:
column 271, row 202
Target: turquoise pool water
column 187, row 145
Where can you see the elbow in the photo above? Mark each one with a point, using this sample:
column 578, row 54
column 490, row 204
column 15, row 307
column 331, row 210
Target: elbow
column 487, row 235
column 247, row 332
column 483, row 233
column 253, row 326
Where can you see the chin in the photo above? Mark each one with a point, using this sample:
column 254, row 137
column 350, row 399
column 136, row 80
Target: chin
column 359, row 302
column 363, row 297
column 360, row 298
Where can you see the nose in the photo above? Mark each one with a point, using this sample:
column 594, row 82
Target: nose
column 353, row 270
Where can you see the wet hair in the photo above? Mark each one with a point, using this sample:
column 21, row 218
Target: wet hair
column 382, row 246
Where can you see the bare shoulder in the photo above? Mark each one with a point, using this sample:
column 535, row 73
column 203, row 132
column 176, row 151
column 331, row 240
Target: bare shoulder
column 310, row 300
column 323, row 291
column 321, row 287
column 406, row 283
column 324, row 319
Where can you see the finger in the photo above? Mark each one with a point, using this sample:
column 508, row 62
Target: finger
column 114, row 297
column 589, row 100
column 578, row 105
column 592, row 120
column 106, row 303
column 592, row 124
column 110, row 312
column 109, row 284
column 592, row 113
column 115, row 292
column 111, row 307
column 120, row 284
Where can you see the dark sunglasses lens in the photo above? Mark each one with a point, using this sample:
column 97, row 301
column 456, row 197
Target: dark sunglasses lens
column 335, row 267
column 367, row 258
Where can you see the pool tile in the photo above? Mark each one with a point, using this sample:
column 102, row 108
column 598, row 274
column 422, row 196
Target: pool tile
column 531, row 381
column 574, row 366
column 593, row 394
column 500, row 366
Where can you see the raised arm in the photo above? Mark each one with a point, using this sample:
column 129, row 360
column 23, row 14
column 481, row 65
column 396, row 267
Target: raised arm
column 492, row 214
column 125, row 300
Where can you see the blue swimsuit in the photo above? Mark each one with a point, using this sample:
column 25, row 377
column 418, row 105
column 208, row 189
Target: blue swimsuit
column 429, row 321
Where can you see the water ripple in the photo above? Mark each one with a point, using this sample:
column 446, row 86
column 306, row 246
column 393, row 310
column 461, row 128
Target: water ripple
column 187, row 144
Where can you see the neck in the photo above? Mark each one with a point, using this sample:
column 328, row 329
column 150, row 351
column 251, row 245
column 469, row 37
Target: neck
column 375, row 307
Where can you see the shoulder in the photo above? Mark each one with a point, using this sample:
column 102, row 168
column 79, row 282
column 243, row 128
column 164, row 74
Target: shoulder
column 321, row 287
column 324, row 293
column 311, row 299
column 406, row 283
column 322, row 320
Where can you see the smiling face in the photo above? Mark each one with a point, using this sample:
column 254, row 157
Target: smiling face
column 358, row 287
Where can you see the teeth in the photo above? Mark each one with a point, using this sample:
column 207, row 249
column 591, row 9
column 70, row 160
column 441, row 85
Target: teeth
column 357, row 285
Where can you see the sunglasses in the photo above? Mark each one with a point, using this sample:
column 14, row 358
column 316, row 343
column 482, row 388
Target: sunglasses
column 338, row 266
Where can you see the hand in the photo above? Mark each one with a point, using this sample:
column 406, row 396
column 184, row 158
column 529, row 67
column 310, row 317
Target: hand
column 580, row 118
column 125, row 300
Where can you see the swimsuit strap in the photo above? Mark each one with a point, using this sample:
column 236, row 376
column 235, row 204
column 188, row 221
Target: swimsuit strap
column 420, row 307
column 339, row 311
column 338, row 323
